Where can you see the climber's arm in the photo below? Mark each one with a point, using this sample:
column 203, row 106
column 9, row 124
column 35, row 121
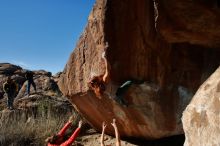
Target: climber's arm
column 118, row 142
column 103, row 132
column 107, row 67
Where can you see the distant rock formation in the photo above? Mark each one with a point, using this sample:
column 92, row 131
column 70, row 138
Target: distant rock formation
column 45, row 82
column 201, row 117
column 173, row 46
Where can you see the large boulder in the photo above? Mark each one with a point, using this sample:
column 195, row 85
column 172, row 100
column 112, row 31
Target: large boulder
column 161, row 43
column 201, row 117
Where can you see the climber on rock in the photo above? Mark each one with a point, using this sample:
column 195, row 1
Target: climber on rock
column 30, row 81
column 58, row 139
column 10, row 88
column 117, row 135
column 97, row 83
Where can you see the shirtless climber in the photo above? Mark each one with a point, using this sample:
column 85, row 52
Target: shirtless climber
column 97, row 83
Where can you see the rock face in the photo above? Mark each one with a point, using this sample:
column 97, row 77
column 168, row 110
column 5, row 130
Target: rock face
column 201, row 117
column 171, row 46
column 190, row 21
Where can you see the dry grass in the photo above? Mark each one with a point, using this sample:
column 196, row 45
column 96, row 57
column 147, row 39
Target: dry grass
column 18, row 129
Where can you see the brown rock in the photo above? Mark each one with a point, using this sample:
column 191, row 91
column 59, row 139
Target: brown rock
column 161, row 43
column 195, row 22
column 42, row 73
column 201, row 117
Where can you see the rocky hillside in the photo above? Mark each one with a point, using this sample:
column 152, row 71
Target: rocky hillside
column 171, row 46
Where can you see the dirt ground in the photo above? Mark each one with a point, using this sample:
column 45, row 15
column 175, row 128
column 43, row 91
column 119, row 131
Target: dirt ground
column 92, row 138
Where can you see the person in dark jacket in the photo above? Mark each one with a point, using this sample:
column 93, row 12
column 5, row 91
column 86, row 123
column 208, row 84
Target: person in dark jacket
column 29, row 77
column 10, row 88
column 97, row 83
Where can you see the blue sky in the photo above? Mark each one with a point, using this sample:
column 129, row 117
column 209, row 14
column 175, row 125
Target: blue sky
column 41, row 34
